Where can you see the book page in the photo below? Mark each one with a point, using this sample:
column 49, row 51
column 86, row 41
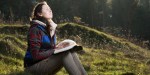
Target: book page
column 64, row 46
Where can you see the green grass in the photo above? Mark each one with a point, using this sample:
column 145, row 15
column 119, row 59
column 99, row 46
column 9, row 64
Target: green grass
column 104, row 54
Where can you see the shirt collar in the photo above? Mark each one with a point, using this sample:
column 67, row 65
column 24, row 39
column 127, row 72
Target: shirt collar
column 39, row 22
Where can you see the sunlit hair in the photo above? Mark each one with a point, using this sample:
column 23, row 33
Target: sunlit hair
column 37, row 9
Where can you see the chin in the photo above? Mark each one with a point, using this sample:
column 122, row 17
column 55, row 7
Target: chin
column 48, row 17
column 51, row 17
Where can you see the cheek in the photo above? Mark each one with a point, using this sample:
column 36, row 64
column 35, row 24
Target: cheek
column 48, row 14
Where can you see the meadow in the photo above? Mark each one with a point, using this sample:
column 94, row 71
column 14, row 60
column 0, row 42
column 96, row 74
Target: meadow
column 103, row 54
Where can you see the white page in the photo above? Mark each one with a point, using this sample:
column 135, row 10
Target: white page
column 70, row 44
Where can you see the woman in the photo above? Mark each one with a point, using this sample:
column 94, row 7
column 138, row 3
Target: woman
column 40, row 58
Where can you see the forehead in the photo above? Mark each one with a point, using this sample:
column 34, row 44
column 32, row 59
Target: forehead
column 45, row 6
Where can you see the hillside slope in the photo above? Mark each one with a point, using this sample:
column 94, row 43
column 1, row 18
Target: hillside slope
column 104, row 54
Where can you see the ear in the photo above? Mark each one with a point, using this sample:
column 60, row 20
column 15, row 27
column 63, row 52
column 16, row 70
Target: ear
column 40, row 14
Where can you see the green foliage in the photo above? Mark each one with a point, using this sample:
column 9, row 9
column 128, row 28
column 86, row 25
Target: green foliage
column 104, row 54
column 131, row 15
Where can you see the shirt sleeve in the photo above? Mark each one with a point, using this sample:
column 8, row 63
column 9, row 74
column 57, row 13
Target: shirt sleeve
column 35, row 44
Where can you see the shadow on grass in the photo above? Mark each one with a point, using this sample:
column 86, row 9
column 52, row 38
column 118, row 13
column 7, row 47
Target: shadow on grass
column 19, row 73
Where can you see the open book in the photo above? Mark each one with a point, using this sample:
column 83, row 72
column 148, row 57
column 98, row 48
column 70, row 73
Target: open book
column 67, row 45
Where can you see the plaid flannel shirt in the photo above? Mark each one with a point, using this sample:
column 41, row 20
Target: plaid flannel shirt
column 40, row 44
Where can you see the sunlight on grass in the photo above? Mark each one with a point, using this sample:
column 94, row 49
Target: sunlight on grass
column 104, row 54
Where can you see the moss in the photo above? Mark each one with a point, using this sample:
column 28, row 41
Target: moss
column 104, row 54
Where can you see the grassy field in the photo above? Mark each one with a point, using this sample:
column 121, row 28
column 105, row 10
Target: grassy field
column 104, row 54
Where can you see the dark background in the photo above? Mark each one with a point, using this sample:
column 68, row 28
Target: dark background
column 127, row 18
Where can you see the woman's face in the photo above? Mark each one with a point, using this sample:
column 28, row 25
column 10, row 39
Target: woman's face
column 46, row 12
